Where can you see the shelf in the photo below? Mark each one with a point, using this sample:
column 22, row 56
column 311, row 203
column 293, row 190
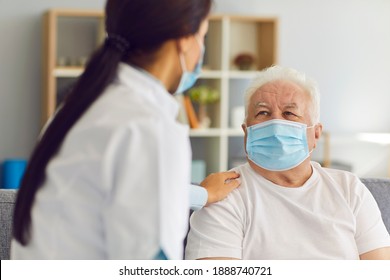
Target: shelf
column 235, row 132
column 74, row 72
column 211, row 74
column 242, row 74
column 233, row 74
column 70, row 13
column 206, row 132
column 68, row 72
column 214, row 132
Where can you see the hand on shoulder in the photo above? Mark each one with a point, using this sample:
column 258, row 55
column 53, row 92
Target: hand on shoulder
column 219, row 185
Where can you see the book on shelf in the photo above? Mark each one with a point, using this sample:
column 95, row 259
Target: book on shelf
column 192, row 118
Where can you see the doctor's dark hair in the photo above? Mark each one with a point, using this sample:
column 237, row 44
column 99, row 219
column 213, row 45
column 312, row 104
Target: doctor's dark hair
column 135, row 31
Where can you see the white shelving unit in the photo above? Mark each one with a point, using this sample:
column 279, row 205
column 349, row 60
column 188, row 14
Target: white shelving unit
column 221, row 144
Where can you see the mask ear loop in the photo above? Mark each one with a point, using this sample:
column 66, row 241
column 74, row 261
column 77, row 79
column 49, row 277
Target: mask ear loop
column 201, row 46
column 308, row 127
column 182, row 63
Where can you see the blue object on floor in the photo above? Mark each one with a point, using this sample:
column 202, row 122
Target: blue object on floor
column 13, row 170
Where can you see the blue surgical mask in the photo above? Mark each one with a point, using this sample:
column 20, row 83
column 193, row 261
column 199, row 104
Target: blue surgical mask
column 188, row 79
column 277, row 145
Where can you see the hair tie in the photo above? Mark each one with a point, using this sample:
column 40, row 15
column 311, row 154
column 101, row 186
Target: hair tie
column 120, row 43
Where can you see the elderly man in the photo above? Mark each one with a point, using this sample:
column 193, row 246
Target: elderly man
column 287, row 206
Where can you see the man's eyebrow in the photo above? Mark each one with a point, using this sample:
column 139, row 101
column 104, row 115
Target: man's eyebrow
column 261, row 104
column 290, row 106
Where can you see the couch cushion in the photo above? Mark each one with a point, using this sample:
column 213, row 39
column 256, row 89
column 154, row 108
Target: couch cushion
column 7, row 199
column 380, row 189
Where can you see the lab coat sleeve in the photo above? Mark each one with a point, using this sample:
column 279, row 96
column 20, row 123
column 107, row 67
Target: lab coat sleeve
column 198, row 197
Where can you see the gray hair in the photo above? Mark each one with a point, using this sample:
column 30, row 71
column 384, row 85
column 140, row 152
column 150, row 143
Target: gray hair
column 277, row 73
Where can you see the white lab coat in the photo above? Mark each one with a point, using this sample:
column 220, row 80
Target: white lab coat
column 118, row 187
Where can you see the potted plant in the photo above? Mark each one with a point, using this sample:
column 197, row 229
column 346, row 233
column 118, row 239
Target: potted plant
column 203, row 96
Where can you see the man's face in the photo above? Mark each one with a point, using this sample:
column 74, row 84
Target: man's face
column 282, row 100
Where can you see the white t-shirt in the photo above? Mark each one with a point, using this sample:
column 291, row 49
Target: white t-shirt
column 332, row 216
column 118, row 187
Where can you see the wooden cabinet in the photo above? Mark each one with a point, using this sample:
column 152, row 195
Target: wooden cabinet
column 70, row 36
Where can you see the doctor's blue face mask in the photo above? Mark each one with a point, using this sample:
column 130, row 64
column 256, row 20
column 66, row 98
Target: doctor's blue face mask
column 277, row 145
column 188, row 79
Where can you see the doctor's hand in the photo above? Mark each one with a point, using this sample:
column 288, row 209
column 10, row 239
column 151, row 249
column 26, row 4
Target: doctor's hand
column 219, row 185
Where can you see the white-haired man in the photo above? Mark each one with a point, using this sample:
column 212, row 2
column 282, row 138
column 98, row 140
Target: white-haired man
column 288, row 207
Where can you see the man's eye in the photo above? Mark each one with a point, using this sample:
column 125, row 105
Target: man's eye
column 262, row 113
column 287, row 113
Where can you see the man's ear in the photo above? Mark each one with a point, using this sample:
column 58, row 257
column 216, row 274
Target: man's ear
column 317, row 133
column 244, row 127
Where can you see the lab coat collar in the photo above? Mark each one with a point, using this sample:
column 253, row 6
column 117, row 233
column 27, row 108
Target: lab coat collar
column 152, row 89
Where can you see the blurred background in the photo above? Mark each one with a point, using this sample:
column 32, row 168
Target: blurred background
column 343, row 45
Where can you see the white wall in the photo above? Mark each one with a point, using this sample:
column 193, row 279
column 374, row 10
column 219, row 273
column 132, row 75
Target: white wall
column 344, row 45
column 20, row 70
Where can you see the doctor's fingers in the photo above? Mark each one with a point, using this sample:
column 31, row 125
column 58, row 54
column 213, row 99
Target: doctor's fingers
column 229, row 175
column 232, row 183
column 216, row 180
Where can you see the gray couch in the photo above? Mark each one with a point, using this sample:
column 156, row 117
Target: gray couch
column 7, row 199
column 380, row 188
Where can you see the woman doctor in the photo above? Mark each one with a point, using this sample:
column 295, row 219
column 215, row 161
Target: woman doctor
column 107, row 178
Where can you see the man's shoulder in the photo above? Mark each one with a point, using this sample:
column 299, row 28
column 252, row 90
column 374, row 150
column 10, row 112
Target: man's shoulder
column 246, row 171
column 343, row 178
column 249, row 184
column 333, row 171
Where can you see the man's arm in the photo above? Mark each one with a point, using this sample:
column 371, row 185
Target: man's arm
column 377, row 254
column 216, row 231
column 371, row 235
